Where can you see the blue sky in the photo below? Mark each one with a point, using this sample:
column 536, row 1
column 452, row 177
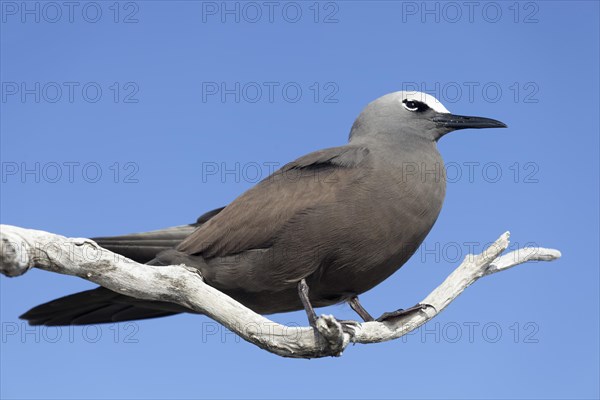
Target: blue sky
column 145, row 114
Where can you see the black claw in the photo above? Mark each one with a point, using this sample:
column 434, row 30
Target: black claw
column 401, row 312
column 348, row 326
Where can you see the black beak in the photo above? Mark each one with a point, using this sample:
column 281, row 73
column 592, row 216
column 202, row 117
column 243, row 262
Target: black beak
column 462, row 122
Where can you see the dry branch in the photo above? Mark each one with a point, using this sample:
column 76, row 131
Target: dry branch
column 23, row 249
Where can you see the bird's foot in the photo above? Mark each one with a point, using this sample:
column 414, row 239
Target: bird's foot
column 347, row 326
column 403, row 312
column 334, row 333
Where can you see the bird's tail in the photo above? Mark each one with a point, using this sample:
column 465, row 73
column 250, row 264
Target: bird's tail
column 143, row 247
column 97, row 306
column 102, row 305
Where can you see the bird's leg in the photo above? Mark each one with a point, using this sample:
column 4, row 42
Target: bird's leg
column 401, row 312
column 359, row 309
column 310, row 311
column 347, row 326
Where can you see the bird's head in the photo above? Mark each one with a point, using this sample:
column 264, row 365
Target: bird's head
column 405, row 114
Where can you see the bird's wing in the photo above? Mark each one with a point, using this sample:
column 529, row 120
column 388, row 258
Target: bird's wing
column 254, row 218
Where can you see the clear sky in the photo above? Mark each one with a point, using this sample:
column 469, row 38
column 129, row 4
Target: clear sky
column 131, row 116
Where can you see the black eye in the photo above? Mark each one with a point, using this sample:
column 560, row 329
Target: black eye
column 413, row 105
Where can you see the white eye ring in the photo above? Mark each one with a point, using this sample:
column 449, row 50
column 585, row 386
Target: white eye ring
column 406, row 105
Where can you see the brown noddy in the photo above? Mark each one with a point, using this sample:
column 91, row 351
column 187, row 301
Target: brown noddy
column 319, row 231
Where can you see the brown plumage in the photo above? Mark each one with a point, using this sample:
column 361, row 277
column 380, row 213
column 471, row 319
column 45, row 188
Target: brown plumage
column 341, row 219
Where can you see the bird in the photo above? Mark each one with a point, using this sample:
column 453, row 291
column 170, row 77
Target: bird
column 321, row 230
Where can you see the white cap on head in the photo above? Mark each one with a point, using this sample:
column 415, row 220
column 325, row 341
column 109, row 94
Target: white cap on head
column 428, row 99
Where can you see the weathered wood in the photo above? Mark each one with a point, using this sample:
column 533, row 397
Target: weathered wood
column 22, row 249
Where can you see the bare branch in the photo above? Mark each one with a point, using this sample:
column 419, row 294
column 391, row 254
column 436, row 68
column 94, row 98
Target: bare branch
column 23, row 249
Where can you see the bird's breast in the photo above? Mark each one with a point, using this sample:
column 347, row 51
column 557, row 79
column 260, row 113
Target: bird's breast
column 386, row 220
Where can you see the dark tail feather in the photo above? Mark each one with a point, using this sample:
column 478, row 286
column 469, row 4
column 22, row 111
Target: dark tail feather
column 143, row 247
column 98, row 306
